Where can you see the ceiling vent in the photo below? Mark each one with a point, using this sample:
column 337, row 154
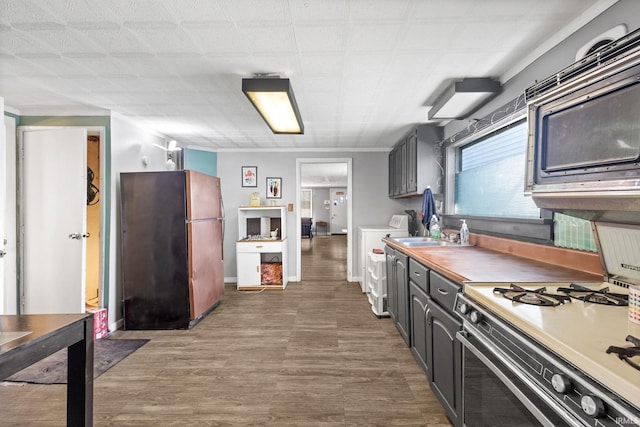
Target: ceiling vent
column 601, row 40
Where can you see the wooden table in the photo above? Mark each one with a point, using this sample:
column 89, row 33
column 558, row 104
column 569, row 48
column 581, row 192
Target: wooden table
column 48, row 333
column 322, row 224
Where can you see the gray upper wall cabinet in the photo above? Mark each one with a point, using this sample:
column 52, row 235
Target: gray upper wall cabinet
column 414, row 163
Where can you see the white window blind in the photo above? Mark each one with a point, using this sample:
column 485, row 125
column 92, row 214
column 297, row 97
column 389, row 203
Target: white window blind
column 490, row 177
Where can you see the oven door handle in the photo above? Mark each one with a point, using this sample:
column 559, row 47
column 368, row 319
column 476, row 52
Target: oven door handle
column 461, row 336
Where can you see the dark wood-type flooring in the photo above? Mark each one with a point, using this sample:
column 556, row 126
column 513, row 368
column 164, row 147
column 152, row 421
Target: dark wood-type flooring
column 311, row 355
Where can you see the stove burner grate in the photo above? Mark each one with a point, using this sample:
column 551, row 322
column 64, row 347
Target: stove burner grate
column 626, row 353
column 599, row 296
column 538, row 296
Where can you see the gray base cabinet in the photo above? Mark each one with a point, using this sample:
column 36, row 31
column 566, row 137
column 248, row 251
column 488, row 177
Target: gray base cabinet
column 421, row 304
column 444, row 351
column 398, row 291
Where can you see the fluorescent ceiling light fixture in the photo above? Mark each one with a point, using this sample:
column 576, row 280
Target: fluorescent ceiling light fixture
column 462, row 97
column 273, row 98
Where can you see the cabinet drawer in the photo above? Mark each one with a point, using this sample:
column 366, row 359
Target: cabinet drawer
column 259, row 246
column 419, row 274
column 443, row 290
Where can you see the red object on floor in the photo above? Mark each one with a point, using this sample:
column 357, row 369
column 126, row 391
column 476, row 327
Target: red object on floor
column 100, row 329
column 378, row 251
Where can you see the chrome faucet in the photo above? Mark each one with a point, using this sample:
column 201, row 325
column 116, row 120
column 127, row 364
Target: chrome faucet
column 451, row 237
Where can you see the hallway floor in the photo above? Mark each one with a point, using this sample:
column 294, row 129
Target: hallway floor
column 311, row 355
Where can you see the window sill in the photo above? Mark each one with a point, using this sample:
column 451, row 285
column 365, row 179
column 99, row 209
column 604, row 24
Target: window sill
column 539, row 231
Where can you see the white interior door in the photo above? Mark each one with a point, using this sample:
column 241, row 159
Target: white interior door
column 53, row 214
column 3, row 192
column 338, row 210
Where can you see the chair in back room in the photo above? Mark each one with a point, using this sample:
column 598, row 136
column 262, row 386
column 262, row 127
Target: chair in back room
column 306, row 227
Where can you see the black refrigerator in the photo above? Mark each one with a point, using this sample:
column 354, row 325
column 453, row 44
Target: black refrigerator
column 172, row 225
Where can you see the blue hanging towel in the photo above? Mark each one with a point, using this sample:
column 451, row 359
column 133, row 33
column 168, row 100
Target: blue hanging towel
column 428, row 207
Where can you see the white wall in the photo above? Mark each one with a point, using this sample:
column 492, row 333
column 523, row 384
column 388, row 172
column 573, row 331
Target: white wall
column 371, row 204
column 321, row 212
column 129, row 145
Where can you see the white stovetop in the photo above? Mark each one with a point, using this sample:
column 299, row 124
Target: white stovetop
column 577, row 331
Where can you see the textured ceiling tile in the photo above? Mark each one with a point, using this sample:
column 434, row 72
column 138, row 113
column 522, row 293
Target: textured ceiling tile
column 197, row 10
column 16, row 67
column 65, row 41
column 438, row 9
column 53, row 64
column 160, row 40
column 258, row 10
column 74, row 10
column 318, row 10
column 219, row 39
column 15, row 42
column 23, row 11
column 483, row 35
column 419, row 62
column 270, row 38
column 38, row 26
column 369, row 37
column 140, row 10
column 116, row 40
column 433, row 35
column 328, row 63
column 319, row 38
column 379, row 10
column 365, row 64
column 104, row 66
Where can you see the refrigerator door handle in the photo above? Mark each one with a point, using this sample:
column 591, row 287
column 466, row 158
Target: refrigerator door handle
column 223, row 224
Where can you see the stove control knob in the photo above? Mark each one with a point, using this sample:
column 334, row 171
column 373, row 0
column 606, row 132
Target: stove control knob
column 592, row 406
column 561, row 383
column 475, row 317
column 464, row 308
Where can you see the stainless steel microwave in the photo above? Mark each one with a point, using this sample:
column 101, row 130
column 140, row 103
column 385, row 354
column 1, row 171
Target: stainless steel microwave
column 584, row 136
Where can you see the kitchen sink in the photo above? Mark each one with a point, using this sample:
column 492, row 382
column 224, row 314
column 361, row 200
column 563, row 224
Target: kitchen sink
column 413, row 242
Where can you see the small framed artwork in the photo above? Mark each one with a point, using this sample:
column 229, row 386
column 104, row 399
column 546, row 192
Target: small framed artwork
column 249, row 176
column 274, row 188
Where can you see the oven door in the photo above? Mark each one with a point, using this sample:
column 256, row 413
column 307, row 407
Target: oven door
column 495, row 395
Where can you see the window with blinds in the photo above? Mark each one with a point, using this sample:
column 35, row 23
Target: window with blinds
column 490, row 176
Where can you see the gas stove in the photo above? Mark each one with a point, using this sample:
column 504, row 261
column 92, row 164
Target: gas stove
column 560, row 333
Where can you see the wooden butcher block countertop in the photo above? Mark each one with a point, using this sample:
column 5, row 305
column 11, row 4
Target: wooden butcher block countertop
column 502, row 260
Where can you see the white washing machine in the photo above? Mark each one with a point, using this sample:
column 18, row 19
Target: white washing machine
column 370, row 237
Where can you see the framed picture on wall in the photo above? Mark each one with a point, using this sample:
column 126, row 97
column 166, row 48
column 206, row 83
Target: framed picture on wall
column 274, row 188
column 249, row 176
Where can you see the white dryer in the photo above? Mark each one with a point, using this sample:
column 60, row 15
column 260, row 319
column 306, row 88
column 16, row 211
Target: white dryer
column 370, row 237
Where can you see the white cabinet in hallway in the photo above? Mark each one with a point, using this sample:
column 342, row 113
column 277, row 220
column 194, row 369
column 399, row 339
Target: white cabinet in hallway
column 261, row 252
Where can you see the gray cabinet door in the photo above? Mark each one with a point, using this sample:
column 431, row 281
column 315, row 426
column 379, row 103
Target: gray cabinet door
column 444, row 359
column 398, row 290
column 402, row 280
column 392, row 175
column 412, row 162
column 392, row 286
column 398, row 171
column 419, row 304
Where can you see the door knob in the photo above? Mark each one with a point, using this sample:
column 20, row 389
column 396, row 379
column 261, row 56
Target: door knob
column 2, row 253
column 78, row 236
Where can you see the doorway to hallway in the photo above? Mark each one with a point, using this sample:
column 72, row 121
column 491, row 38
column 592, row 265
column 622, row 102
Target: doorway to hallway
column 319, row 174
